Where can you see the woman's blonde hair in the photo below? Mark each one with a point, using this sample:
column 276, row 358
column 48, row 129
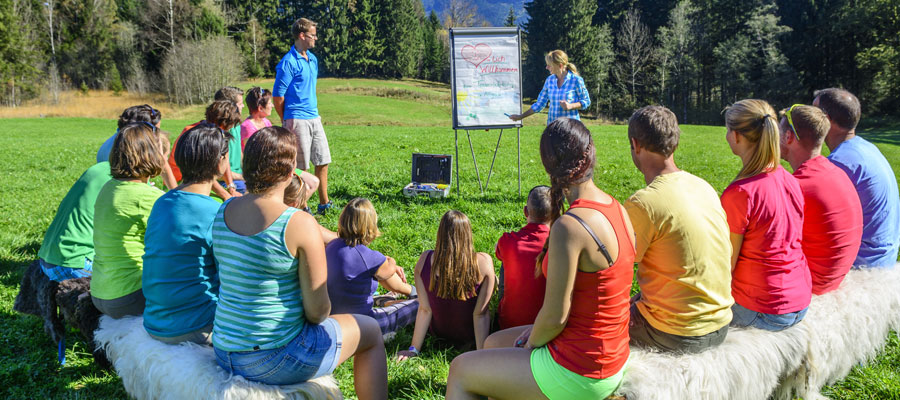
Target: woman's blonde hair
column 139, row 151
column 757, row 122
column 295, row 193
column 559, row 57
column 454, row 266
column 358, row 223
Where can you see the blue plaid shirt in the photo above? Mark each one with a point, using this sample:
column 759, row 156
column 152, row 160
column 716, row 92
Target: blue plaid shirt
column 572, row 90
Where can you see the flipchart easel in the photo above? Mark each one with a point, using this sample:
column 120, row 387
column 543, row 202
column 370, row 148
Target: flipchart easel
column 486, row 82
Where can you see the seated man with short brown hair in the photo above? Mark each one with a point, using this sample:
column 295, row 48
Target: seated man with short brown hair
column 682, row 244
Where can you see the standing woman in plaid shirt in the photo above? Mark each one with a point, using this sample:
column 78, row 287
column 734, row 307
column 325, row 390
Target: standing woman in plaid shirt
column 564, row 89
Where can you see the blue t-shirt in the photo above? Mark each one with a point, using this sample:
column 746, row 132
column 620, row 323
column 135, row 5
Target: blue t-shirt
column 295, row 80
column 351, row 277
column 180, row 278
column 106, row 148
column 877, row 188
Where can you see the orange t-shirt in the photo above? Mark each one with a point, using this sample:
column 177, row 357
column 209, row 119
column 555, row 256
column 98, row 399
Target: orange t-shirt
column 175, row 171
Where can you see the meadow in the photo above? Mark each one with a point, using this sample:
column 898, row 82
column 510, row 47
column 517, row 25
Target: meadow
column 373, row 128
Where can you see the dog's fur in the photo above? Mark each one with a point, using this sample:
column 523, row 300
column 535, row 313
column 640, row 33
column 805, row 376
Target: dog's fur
column 151, row 369
column 40, row 296
column 37, row 296
column 842, row 328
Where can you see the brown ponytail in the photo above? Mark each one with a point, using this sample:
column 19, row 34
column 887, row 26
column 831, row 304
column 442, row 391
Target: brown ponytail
column 568, row 155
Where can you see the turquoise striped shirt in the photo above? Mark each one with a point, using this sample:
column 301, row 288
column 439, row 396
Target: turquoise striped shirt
column 260, row 303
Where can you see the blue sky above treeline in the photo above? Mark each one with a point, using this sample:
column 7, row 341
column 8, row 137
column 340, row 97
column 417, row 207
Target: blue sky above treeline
column 493, row 11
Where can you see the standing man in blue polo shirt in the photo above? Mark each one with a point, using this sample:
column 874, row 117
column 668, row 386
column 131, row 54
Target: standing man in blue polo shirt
column 294, row 96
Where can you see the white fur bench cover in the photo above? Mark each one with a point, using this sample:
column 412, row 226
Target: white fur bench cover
column 151, row 369
column 843, row 328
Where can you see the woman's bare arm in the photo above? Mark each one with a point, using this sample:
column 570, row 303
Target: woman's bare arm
column 387, row 277
column 482, row 315
column 562, row 267
column 423, row 317
column 736, row 242
column 313, row 270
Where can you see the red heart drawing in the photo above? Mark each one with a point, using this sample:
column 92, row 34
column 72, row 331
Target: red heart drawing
column 476, row 54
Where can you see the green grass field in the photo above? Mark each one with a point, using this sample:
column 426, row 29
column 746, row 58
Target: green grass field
column 373, row 127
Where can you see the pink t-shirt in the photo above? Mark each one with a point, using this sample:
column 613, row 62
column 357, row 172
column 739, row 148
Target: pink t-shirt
column 771, row 275
column 248, row 128
column 832, row 222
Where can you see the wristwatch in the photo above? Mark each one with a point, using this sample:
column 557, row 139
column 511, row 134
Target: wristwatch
column 230, row 186
column 414, row 350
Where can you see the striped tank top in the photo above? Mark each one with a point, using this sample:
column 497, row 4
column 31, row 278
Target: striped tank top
column 260, row 303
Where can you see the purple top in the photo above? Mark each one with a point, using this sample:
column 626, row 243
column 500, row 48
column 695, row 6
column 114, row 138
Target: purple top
column 451, row 319
column 351, row 277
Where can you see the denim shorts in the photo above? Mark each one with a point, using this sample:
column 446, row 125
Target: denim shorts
column 743, row 317
column 313, row 353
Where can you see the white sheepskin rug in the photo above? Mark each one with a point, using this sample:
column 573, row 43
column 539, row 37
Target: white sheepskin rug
column 843, row 328
column 151, row 369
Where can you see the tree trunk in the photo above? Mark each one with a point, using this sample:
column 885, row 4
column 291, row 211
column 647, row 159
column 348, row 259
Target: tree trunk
column 171, row 25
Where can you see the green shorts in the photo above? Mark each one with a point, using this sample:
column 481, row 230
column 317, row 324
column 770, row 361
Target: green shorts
column 557, row 382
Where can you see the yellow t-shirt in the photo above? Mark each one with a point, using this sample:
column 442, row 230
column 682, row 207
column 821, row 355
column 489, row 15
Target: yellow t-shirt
column 683, row 255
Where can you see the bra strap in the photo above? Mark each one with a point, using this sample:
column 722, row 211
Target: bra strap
column 600, row 246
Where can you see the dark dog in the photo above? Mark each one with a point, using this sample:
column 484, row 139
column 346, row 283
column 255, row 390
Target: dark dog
column 40, row 296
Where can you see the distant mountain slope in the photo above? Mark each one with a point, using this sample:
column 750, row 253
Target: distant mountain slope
column 493, row 11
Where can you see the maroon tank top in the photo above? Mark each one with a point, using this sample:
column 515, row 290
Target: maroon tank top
column 451, row 319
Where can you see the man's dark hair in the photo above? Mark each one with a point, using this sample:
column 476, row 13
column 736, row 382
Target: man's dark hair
column 539, row 203
column 301, row 25
column 141, row 113
column 199, row 151
column 841, row 106
column 655, row 128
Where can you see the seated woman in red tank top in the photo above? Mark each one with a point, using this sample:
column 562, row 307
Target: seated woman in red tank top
column 455, row 285
column 578, row 345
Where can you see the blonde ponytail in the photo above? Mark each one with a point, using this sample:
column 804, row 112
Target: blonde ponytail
column 756, row 121
column 559, row 57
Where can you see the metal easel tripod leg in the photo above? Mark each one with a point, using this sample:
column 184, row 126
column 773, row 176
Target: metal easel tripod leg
column 518, row 160
column 456, row 144
column 474, row 161
column 491, row 171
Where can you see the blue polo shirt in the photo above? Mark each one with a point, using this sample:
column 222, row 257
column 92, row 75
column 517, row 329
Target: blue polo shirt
column 876, row 185
column 295, row 80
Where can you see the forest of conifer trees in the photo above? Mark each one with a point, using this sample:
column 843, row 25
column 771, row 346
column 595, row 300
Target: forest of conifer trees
column 694, row 56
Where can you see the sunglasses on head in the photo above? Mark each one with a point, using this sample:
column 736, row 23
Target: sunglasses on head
column 790, row 121
column 153, row 128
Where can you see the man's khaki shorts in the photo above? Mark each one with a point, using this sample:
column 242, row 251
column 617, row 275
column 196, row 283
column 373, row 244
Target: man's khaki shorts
column 313, row 143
